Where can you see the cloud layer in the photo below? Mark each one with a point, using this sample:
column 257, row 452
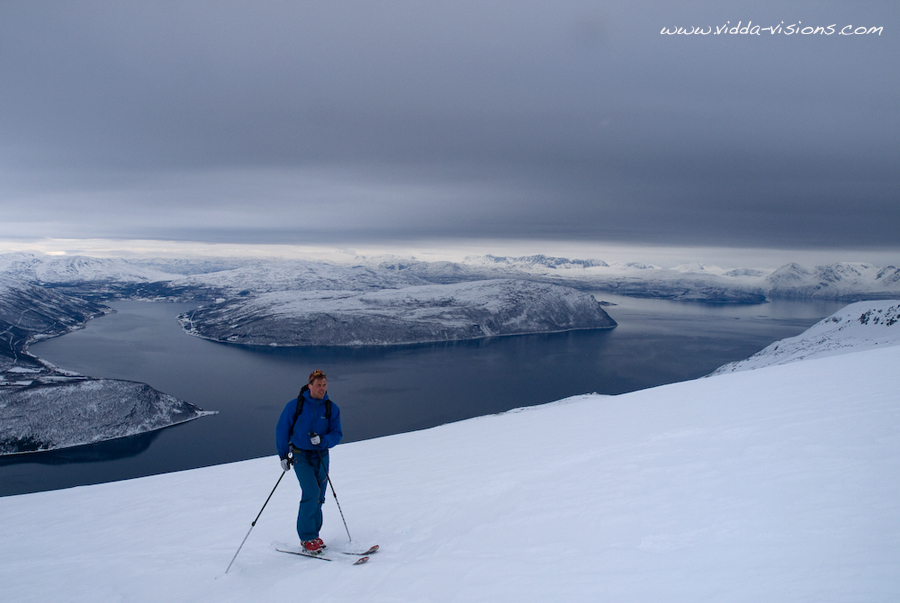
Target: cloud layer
column 384, row 121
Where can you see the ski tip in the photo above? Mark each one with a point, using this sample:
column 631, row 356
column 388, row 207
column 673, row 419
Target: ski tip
column 360, row 561
column 368, row 551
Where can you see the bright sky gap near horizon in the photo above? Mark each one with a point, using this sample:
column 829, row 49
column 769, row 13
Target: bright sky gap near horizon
column 531, row 125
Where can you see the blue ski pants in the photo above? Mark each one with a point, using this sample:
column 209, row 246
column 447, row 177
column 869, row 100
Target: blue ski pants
column 312, row 473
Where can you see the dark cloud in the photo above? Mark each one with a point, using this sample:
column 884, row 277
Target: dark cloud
column 239, row 121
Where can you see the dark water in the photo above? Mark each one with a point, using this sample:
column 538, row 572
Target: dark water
column 380, row 391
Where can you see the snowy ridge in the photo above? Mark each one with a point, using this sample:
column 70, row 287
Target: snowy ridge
column 18, row 263
column 398, row 316
column 859, row 326
column 766, row 485
column 78, row 269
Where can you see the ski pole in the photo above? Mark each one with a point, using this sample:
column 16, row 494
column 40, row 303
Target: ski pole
column 252, row 525
column 333, row 493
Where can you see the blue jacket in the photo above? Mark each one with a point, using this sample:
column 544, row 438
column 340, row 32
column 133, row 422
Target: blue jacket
column 312, row 418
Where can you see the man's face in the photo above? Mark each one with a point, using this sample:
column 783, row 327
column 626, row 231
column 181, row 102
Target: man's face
column 318, row 388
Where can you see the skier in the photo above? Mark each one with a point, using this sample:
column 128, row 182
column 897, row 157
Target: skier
column 309, row 425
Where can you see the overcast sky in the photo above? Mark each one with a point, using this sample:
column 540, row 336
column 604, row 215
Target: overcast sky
column 382, row 122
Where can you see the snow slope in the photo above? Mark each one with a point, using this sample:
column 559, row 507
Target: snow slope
column 859, row 326
column 777, row 484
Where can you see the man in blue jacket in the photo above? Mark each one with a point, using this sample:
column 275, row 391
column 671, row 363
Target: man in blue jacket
column 309, row 425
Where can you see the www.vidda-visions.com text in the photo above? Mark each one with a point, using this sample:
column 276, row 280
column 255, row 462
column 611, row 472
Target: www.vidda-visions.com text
column 781, row 29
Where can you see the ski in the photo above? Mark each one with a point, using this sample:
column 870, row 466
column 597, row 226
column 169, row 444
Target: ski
column 363, row 557
column 302, row 554
column 371, row 550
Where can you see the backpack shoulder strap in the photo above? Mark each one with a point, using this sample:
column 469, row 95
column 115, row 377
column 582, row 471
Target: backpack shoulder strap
column 297, row 411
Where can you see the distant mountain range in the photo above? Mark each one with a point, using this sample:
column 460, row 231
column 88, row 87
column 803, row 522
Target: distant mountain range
column 846, row 281
column 211, row 278
column 687, row 282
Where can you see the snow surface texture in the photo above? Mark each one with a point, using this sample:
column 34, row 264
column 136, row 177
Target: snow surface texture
column 85, row 412
column 398, row 316
column 778, row 484
column 856, row 327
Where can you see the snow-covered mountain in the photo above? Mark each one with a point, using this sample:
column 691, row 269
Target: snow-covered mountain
column 84, row 411
column 29, row 311
column 76, row 269
column 94, row 278
column 398, row 316
column 265, row 276
column 57, row 270
column 777, row 484
column 630, row 279
column 836, row 281
column 859, row 326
